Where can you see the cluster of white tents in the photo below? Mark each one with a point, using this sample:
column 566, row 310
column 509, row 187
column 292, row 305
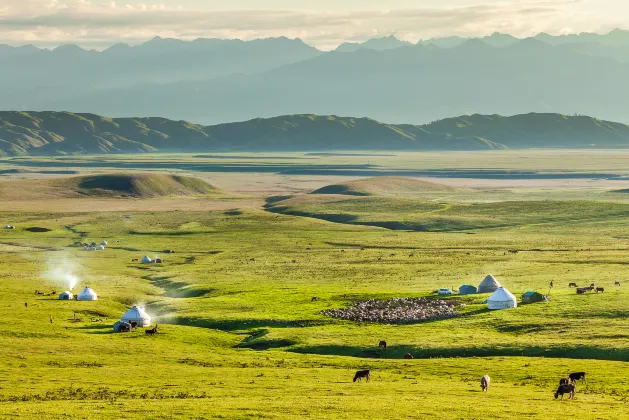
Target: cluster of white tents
column 94, row 247
column 500, row 297
column 85, row 294
column 136, row 315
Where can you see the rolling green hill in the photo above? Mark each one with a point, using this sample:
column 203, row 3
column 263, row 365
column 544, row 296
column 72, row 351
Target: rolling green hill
column 63, row 133
column 385, row 185
column 108, row 185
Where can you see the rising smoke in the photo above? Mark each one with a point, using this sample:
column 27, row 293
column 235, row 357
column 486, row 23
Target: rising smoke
column 62, row 271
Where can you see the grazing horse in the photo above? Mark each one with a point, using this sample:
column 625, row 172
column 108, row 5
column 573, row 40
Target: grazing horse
column 576, row 376
column 566, row 389
column 484, row 383
column 573, row 285
column 382, row 344
column 408, row 356
column 362, row 374
column 617, row 283
column 565, row 381
column 600, row 289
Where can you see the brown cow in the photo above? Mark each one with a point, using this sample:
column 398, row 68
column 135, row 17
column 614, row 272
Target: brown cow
column 382, row 344
column 573, row 285
column 600, row 289
column 617, row 283
column 566, row 389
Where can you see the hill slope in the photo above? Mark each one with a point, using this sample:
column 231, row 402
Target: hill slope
column 385, row 185
column 108, row 185
column 61, row 133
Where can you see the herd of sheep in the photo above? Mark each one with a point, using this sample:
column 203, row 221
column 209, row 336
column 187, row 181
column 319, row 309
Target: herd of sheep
column 397, row 310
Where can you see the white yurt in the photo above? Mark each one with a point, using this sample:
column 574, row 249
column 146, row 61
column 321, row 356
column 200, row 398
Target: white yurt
column 103, row 242
column 146, row 260
column 100, row 248
column 502, row 299
column 86, row 248
column 93, row 248
column 66, row 296
column 87, row 294
column 138, row 315
column 489, row 285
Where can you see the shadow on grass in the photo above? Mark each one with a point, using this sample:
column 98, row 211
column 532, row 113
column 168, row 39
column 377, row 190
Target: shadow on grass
column 398, row 352
column 232, row 325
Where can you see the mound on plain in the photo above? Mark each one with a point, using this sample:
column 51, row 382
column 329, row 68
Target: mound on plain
column 107, row 185
column 139, row 185
column 386, row 185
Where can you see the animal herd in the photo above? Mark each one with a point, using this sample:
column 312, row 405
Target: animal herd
column 567, row 385
column 591, row 288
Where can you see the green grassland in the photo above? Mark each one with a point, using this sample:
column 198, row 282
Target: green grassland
column 243, row 339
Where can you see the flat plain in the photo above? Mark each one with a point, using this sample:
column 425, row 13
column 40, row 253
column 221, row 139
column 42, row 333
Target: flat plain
column 240, row 335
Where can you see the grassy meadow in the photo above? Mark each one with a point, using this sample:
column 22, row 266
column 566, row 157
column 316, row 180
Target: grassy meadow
column 241, row 337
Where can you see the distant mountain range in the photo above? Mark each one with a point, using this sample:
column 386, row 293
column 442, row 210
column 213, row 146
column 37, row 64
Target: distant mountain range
column 63, row 133
column 214, row 81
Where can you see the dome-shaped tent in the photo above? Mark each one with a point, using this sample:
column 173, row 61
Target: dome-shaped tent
column 502, row 299
column 103, row 242
column 66, row 296
column 138, row 315
column 9, row 227
column 100, row 248
column 467, row 289
column 87, row 294
column 489, row 285
column 146, row 260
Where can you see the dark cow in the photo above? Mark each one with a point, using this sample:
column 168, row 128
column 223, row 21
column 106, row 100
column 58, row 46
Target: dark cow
column 569, row 389
column 617, row 283
column 581, row 291
column 576, row 376
column 573, row 285
column 362, row 374
column 382, row 345
column 600, row 289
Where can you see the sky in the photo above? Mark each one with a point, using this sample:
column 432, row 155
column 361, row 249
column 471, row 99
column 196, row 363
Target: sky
column 322, row 23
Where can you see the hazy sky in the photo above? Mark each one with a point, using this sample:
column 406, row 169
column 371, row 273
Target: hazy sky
column 324, row 23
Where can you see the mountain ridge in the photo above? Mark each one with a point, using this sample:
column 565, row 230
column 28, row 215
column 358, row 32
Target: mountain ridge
column 65, row 133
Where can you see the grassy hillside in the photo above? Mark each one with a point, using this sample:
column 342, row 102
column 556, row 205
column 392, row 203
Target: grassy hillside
column 385, row 185
column 62, row 133
column 108, row 185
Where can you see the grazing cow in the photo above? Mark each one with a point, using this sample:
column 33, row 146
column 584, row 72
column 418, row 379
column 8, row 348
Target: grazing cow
column 566, row 389
column 581, row 291
column 600, row 289
column 565, row 381
column 408, row 356
column 135, row 260
column 592, row 285
column 315, row 298
column 576, row 376
column 382, row 344
column 134, row 324
column 362, row 374
column 617, row 283
column 484, row 383
column 573, row 285
column 513, row 251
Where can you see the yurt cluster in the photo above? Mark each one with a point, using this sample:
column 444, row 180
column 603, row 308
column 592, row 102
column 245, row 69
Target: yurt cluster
column 94, row 247
column 134, row 317
column 500, row 297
